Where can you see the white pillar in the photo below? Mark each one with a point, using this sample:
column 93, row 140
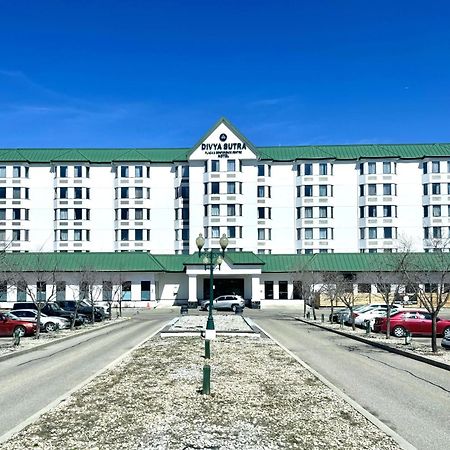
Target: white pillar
column 192, row 289
column 256, row 288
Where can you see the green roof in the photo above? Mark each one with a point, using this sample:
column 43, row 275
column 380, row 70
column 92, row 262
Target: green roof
column 147, row 262
column 168, row 155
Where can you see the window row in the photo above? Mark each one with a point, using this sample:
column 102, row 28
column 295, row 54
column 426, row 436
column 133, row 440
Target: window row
column 14, row 172
column 310, row 212
column 436, row 232
column 76, row 193
column 14, row 235
column 232, row 232
column 137, row 234
column 136, row 192
column 377, row 189
column 182, row 192
column 436, row 189
column 372, row 168
column 310, row 251
column 223, row 165
column 378, row 233
column 436, row 166
column 314, row 233
column 264, row 234
column 229, row 210
column 264, row 213
column 264, row 191
column 436, row 211
column 72, row 214
column 14, row 214
column 72, row 171
column 378, row 211
column 15, row 192
column 128, row 171
column 320, row 190
column 314, row 169
column 132, row 213
column 229, row 187
column 72, row 235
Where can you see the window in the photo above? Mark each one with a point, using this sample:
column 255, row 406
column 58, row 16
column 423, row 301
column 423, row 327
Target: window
column 124, row 171
column 184, row 171
column 231, row 165
column 436, row 188
column 138, row 214
column 283, row 290
column 215, row 232
column 260, row 192
column 387, row 211
column 138, row 192
column 215, row 210
column 126, row 290
column 124, row 192
column 231, row 232
column 63, row 235
column 437, row 233
column 268, row 290
column 435, row 167
column 185, row 213
column 77, row 235
column 371, row 168
column 138, row 234
column 308, row 233
column 260, row 170
column 361, row 169
column 124, row 235
column 78, row 193
column 184, row 234
column 138, row 172
column 16, row 171
column 361, row 190
column 16, row 192
column 124, row 214
column 372, row 189
column 231, row 210
column 41, row 288
column 387, row 190
column 372, row 233
column 361, row 233
column 308, row 212
column 308, row 190
column 145, row 290
column 308, row 169
column 21, row 291
column 261, row 234
column 372, row 211
column 107, row 291
column 436, row 211
column 77, row 171
column 2, row 214
column 387, row 167
column 231, row 187
column 322, row 190
column 261, row 214
column 425, row 168
column 2, row 192
column 78, row 214
column 323, row 212
column 214, row 165
column 425, row 189
column 323, row 169
column 16, row 214
column 2, row 235
column 215, row 187
column 387, row 233
column 323, row 233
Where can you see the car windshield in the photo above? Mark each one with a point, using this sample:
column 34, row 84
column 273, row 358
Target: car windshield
column 11, row 316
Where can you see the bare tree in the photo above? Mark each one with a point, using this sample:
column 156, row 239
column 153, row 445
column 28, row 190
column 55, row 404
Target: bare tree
column 433, row 271
column 89, row 288
column 305, row 281
column 342, row 290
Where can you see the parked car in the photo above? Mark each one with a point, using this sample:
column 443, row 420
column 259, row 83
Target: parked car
column 414, row 321
column 9, row 325
column 224, row 302
column 51, row 309
column 446, row 343
column 48, row 323
column 371, row 314
column 83, row 308
column 343, row 314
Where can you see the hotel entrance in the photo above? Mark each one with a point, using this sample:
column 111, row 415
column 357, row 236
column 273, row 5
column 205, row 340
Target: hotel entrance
column 224, row 286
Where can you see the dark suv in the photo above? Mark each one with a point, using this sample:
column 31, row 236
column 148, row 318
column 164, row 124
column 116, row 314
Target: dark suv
column 51, row 309
column 84, row 308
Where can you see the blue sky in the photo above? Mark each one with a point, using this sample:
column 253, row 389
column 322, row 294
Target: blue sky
column 160, row 73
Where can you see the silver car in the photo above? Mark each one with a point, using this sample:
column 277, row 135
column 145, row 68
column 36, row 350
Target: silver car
column 48, row 323
column 224, row 302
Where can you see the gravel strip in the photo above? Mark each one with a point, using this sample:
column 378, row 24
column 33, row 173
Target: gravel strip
column 261, row 398
column 221, row 323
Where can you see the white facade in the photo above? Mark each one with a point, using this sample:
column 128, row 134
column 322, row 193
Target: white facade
column 224, row 186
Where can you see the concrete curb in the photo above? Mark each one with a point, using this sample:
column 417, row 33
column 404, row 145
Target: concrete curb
column 403, row 443
column 55, row 341
column 388, row 348
column 63, row 397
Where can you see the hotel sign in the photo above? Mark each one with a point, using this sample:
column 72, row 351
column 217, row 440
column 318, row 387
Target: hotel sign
column 224, row 149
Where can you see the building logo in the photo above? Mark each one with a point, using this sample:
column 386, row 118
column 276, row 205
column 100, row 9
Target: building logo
column 223, row 137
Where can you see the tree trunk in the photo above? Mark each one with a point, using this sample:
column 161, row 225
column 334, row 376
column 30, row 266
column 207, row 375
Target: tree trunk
column 352, row 318
column 433, row 332
column 388, row 321
column 332, row 310
column 38, row 323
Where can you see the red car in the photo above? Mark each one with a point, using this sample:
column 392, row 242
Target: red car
column 8, row 325
column 415, row 321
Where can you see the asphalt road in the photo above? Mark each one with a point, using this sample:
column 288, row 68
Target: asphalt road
column 411, row 397
column 30, row 382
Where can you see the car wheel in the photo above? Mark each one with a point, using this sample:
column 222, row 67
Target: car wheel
column 20, row 330
column 446, row 333
column 234, row 308
column 398, row 331
column 49, row 326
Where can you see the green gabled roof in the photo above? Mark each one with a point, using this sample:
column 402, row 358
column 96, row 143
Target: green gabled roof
column 171, row 263
column 355, row 152
column 73, row 262
column 235, row 258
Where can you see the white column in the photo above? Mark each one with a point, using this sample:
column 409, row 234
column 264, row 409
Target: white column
column 256, row 288
column 192, row 289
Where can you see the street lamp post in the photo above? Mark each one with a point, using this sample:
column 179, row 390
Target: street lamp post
column 211, row 259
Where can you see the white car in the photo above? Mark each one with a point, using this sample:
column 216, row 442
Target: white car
column 48, row 323
column 224, row 302
column 372, row 313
